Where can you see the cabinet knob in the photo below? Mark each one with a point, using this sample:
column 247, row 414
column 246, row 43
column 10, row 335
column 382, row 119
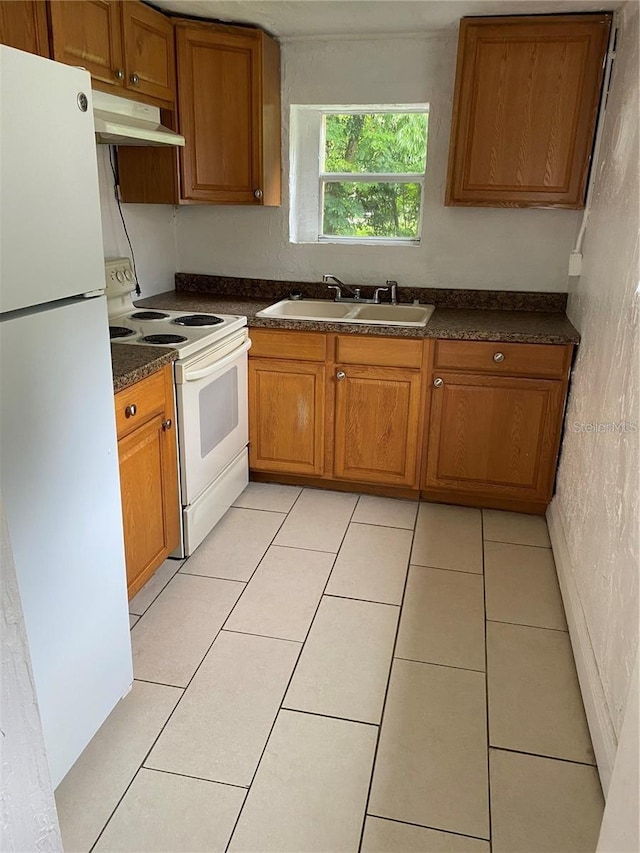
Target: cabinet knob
column 257, row 193
column 438, row 382
column 340, row 375
column 166, row 424
column 134, row 79
column 498, row 356
column 119, row 74
column 130, row 411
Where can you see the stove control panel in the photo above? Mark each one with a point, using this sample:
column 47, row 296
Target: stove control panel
column 119, row 277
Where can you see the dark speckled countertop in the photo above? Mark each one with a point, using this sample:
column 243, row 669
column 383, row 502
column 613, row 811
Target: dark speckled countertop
column 462, row 323
column 132, row 363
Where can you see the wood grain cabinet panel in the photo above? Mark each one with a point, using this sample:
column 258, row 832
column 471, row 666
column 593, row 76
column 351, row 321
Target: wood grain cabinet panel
column 23, row 25
column 88, row 33
column 286, row 416
column 229, row 114
column 525, row 109
column 494, row 436
column 377, row 416
column 149, row 51
column 148, row 476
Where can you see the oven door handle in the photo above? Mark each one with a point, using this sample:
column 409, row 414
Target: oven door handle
column 193, row 375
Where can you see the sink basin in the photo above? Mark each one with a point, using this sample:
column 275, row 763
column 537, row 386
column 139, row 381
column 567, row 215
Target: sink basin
column 397, row 315
column 322, row 310
column 307, row 309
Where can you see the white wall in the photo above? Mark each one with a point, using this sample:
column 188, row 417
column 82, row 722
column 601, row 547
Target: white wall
column 151, row 228
column 462, row 247
column 595, row 515
column 28, row 817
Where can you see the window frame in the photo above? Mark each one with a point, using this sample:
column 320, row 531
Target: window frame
column 299, row 183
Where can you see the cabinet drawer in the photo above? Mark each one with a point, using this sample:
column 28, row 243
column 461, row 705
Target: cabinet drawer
column 299, row 346
column 139, row 402
column 379, row 352
column 540, row 360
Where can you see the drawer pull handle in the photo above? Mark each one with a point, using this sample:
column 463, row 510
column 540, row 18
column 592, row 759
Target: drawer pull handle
column 340, row 375
column 498, row 356
column 438, row 382
column 130, row 411
column 166, row 424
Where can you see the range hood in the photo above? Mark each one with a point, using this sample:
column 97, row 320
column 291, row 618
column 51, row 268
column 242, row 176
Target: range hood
column 119, row 121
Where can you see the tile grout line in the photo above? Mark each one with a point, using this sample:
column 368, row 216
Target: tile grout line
column 523, row 625
column 329, row 716
column 447, row 569
column 547, row 757
column 434, row 663
column 184, row 690
column 424, row 826
column 182, row 561
column 190, row 776
column 386, row 692
column 262, row 636
column 519, row 544
column 486, row 681
column 286, row 690
column 353, row 598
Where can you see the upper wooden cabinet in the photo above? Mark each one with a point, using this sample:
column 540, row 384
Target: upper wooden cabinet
column 89, row 34
column 149, row 51
column 525, row 109
column 127, row 47
column 229, row 114
column 23, row 25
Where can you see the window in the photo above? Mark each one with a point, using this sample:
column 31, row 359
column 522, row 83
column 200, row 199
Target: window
column 357, row 174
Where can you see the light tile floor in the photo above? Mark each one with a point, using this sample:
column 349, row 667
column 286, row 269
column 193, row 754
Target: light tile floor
column 334, row 673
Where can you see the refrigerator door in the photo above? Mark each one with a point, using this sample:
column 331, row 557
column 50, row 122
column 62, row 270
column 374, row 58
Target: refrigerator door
column 60, row 485
column 50, row 229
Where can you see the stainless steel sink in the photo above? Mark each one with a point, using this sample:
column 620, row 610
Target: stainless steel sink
column 322, row 310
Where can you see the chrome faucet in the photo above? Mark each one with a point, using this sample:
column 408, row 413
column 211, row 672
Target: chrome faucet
column 355, row 291
column 338, row 286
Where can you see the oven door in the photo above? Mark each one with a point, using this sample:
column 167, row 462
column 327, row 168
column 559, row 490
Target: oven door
column 211, row 398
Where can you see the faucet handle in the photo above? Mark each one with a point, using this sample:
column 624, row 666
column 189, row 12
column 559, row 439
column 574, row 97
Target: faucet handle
column 377, row 292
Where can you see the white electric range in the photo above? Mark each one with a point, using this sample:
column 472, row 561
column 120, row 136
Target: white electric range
column 211, row 397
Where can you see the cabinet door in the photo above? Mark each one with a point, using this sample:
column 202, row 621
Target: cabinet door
column 23, row 24
column 286, row 416
column 525, row 108
column 494, row 435
column 377, row 421
column 149, row 488
column 219, row 108
column 89, row 34
column 149, row 51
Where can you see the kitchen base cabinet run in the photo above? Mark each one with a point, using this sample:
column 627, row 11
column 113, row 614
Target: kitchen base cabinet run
column 148, row 475
column 482, row 421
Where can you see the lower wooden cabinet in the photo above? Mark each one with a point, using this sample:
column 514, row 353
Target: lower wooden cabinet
column 482, row 421
column 376, row 426
column 353, row 421
column 286, row 416
column 494, row 436
column 148, row 475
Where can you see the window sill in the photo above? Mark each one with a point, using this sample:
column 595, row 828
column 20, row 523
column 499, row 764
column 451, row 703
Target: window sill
column 354, row 241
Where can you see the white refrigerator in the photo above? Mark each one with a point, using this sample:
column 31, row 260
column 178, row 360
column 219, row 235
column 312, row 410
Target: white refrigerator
column 58, row 452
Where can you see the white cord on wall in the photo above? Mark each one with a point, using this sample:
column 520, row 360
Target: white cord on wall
column 575, row 258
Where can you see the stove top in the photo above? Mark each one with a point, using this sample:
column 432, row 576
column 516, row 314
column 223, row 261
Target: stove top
column 171, row 331
column 188, row 333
